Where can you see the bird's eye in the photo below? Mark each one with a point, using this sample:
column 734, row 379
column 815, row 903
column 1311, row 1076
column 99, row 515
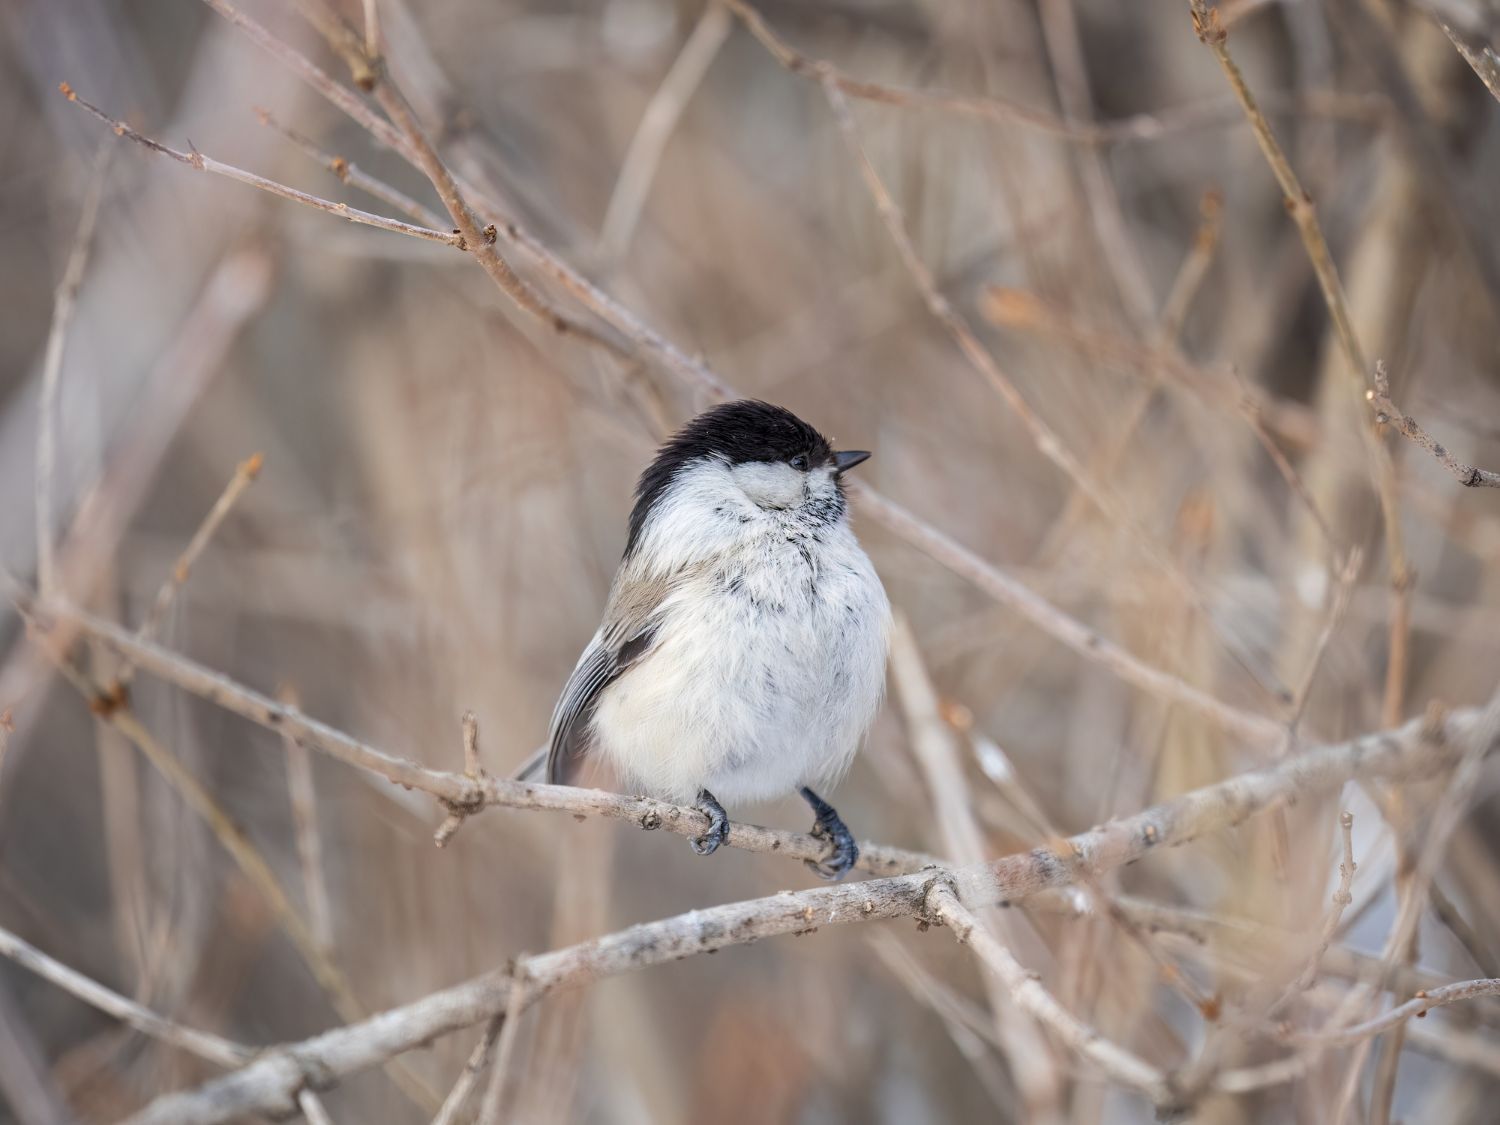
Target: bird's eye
column 799, row 462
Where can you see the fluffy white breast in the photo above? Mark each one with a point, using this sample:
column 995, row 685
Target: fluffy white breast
column 768, row 664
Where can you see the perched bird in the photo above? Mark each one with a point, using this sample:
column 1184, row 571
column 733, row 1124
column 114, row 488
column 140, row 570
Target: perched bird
column 742, row 651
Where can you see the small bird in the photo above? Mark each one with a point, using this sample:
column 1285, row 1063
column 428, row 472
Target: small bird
column 742, row 651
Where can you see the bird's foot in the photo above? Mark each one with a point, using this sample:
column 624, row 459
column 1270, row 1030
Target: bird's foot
column 843, row 852
column 718, row 824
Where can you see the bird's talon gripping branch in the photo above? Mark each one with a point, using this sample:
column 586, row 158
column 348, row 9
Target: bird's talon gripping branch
column 718, row 824
column 843, row 852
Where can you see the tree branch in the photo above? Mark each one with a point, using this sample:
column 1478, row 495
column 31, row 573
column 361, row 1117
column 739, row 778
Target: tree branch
column 271, row 1083
column 1138, row 127
column 198, row 161
column 1387, row 411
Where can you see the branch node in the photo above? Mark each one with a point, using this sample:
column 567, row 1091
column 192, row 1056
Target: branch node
column 1207, row 26
column 473, row 800
column 929, row 912
column 110, row 700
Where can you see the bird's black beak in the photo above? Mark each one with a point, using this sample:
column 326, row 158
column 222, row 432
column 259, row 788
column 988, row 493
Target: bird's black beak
column 843, row 462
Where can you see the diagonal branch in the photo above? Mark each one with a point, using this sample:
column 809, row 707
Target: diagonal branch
column 64, row 302
column 198, row 161
column 1115, row 1062
column 1046, row 440
column 203, row 1044
column 1388, row 411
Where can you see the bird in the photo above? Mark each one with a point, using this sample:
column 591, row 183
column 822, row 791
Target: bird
column 742, row 650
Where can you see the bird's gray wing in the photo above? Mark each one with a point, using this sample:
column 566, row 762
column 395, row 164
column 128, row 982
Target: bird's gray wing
column 631, row 626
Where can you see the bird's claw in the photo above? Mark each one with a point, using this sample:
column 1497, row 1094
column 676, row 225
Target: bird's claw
column 843, row 852
column 718, row 824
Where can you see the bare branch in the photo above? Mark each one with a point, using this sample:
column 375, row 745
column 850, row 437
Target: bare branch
column 1341, row 899
column 1139, row 127
column 657, row 124
column 111, row 704
column 1116, row 1063
column 351, row 174
column 1418, row 1006
column 1299, row 205
column 1480, row 56
column 474, row 1069
column 304, row 801
column 269, row 1083
column 202, row 163
column 457, row 813
column 64, row 302
column 312, row 1109
column 450, row 789
column 1387, row 411
column 200, row 1043
column 244, row 475
column 1074, row 634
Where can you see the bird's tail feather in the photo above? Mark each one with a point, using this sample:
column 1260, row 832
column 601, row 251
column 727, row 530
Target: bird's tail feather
column 534, row 768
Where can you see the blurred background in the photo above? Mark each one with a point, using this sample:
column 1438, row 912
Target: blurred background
column 445, row 487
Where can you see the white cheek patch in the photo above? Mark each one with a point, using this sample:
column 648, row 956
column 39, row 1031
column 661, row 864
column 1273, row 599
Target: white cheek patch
column 770, row 484
column 821, row 483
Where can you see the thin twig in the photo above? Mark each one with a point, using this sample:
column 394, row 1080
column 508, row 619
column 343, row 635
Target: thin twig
column 1037, row 1074
column 659, row 121
column 1387, row 411
column 1299, row 205
column 1480, row 56
column 480, row 242
column 302, row 793
column 1020, row 308
column 111, row 704
column 1046, row 440
column 1250, row 409
column 351, row 174
column 1341, row 899
column 492, row 1110
column 1400, row 942
column 372, row 29
column 1058, row 23
column 315, row 77
column 1114, row 1061
column 474, row 1067
column 1192, row 271
column 244, row 475
column 1343, row 590
column 1415, row 1008
column 203, row 1044
column 202, row 163
column 312, row 1108
column 1257, row 730
column 457, row 812
column 64, row 303
column 1139, row 127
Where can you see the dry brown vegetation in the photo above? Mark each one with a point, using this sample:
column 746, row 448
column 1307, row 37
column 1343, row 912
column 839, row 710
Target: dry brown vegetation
column 1174, row 332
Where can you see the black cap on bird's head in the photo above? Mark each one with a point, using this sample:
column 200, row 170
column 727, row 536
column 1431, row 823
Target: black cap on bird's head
column 738, row 432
